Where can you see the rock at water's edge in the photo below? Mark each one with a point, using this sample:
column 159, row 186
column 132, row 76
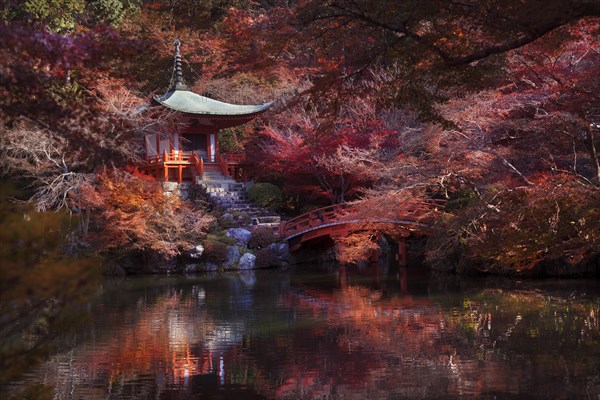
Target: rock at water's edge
column 241, row 235
column 233, row 256
column 281, row 250
column 194, row 252
column 247, row 261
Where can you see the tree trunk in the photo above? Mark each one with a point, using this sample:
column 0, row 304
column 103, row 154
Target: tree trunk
column 84, row 223
column 593, row 151
column 342, row 189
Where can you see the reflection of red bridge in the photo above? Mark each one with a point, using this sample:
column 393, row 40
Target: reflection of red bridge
column 340, row 219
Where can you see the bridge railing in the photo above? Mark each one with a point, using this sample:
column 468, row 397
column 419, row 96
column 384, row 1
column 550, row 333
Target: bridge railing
column 338, row 213
column 314, row 218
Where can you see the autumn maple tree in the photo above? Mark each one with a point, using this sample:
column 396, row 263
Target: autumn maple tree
column 468, row 102
column 129, row 212
column 378, row 102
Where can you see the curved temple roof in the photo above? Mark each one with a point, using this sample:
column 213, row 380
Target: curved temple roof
column 185, row 101
column 180, row 98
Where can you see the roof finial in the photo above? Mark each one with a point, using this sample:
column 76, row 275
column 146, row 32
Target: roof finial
column 178, row 82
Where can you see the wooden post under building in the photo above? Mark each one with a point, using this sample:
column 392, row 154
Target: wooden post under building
column 402, row 255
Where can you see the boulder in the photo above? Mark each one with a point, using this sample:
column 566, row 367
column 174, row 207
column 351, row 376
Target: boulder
column 170, row 186
column 247, row 261
column 233, row 256
column 184, row 195
column 241, row 235
column 194, row 252
column 281, row 251
column 210, row 267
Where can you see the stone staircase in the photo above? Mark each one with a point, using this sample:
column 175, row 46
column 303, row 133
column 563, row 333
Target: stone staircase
column 230, row 195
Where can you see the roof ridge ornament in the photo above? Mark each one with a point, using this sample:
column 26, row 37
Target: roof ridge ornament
column 178, row 82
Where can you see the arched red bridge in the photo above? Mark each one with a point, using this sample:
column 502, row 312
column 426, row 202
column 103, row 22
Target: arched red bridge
column 339, row 219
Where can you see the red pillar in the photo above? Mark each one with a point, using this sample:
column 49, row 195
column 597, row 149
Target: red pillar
column 402, row 253
column 403, row 278
column 165, row 159
column 343, row 277
column 208, row 152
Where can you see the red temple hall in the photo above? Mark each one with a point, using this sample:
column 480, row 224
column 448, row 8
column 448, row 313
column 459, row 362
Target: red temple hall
column 187, row 154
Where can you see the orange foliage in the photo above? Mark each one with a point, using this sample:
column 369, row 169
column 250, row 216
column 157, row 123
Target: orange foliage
column 556, row 220
column 356, row 246
column 131, row 211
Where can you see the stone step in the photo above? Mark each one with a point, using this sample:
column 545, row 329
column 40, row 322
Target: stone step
column 269, row 219
column 231, row 195
column 237, row 204
column 246, row 211
column 217, row 182
column 237, row 194
column 219, row 188
column 220, row 184
column 227, row 197
column 228, row 205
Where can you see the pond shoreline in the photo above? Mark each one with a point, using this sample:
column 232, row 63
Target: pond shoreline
column 152, row 263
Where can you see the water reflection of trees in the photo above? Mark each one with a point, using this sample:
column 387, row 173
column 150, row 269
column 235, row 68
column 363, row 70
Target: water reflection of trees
column 377, row 345
column 355, row 338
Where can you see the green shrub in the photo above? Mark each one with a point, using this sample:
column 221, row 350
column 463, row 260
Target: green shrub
column 266, row 195
column 226, row 221
column 227, row 240
column 461, row 198
column 220, row 237
column 233, row 219
column 109, row 11
column 241, row 218
column 261, row 237
column 214, row 251
column 265, row 258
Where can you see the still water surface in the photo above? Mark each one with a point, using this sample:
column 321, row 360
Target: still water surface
column 345, row 334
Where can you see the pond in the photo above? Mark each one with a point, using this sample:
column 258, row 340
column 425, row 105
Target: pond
column 342, row 334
